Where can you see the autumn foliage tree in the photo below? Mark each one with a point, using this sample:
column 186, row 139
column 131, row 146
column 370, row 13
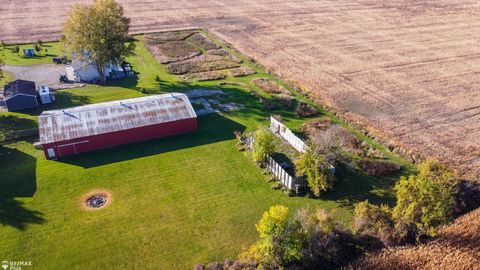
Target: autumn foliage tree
column 281, row 240
column 315, row 167
column 100, row 29
column 426, row 201
column 264, row 144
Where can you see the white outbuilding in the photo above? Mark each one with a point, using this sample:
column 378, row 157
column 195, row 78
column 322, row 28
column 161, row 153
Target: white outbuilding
column 46, row 96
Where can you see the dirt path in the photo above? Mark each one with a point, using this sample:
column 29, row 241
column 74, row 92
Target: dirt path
column 407, row 70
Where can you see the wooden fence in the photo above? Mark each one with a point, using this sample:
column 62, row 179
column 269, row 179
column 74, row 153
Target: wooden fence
column 280, row 174
column 289, row 181
column 279, row 128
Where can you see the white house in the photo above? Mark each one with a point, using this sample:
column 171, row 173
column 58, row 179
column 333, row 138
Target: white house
column 84, row 70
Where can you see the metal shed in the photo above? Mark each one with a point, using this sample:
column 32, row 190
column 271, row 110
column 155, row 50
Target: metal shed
column 20, row 95
column 85, row 128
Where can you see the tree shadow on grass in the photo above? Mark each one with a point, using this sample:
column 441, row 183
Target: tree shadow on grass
column 13, row 213
column 352, row 186
column 18, row 179
column 15, row 122
column 212, row 128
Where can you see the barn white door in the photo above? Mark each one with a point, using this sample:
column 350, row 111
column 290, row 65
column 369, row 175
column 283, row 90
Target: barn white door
column 51, row 153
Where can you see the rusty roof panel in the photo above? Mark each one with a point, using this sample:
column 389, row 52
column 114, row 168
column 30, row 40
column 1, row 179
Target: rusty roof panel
column 106, row 117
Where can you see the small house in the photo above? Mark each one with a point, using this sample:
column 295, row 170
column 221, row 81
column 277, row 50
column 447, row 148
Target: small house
column 86, row 128
column 46, row 96
column 28, row 52
column 20, row 95
column 83, row 69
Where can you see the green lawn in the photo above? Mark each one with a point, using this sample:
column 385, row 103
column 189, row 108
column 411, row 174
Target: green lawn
column 176, row 201
column 5, row 78
column 49, row 50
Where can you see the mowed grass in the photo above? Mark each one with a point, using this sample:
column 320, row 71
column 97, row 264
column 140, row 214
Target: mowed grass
column 49, row 50
column 176, row 201
column 7, row 77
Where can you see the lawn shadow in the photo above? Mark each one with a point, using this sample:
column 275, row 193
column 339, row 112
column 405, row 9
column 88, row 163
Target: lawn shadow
column 18, row 179
column 212, row 128
column 13, row 213
column 126, row 82
column 18, row 173
column 15, row 122
column 352, row 186
column 63, row 99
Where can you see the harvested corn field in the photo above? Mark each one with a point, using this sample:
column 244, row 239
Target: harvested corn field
column 406, row 70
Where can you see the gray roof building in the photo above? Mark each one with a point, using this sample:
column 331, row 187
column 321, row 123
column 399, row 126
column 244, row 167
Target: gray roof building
column 20, row 95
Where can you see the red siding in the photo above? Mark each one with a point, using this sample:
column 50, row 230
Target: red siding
column 86, row 144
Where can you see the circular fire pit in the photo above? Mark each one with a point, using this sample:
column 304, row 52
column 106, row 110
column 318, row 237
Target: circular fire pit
column 96, row 199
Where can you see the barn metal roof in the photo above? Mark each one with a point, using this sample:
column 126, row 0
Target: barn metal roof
column 106, row 117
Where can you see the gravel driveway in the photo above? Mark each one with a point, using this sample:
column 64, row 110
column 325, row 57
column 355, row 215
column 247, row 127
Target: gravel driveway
column 42, row 74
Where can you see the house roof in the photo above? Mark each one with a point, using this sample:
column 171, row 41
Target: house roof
column 107, row 117
column 19, row 87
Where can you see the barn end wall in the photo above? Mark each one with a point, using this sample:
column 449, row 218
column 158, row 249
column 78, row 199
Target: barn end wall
column 91, row 143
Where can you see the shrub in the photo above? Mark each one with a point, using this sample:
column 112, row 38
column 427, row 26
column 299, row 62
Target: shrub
column 304, row 240
column 378, row 167
column 376, row 221
column 37, row 47
column 264, row 144
column 228, row 265
column 312, row 127
column 333, row 139
column 270, row 86
column 305, row 110
column 215, row 266
column 277, row 186
column 268, row 103
column 280, row 241
column 426, row 201
column 40, row 42
column 15, row 49
column 241, row 141
column 314, row 166
column 327, row 244
column 199, row 267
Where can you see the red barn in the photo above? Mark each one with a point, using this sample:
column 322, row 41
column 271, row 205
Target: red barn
column 85, row 128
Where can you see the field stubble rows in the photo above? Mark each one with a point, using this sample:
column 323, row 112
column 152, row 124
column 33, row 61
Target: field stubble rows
column 405, row 70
